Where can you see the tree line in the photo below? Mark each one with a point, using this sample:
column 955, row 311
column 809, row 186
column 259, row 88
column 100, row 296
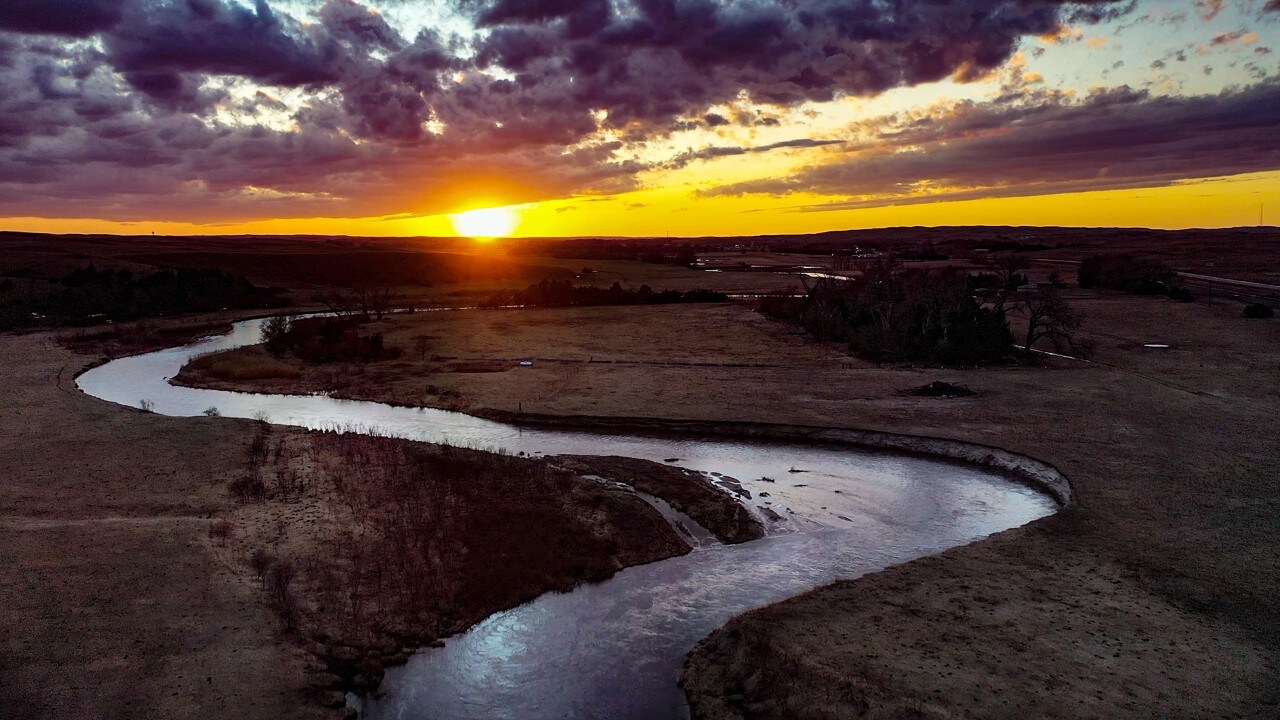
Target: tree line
column 563, row 293
column 890, row 314
column 87, row 296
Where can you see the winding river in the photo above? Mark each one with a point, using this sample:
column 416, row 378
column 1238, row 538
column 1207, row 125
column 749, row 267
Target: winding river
column 614, row 649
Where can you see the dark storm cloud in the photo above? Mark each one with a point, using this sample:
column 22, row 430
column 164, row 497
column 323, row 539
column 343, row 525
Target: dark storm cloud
column 74, row 18
column 159, row 39
column 668, row 58
column 351, row 21
column 505, row 11
column 153, row 89
column 1115, row 139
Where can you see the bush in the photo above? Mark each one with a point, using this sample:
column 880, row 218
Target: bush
column 279, row 579
column 1258, row 311
column 328, row 339
column 275, row 334
column 221, row 531
column 248, row 487
column 260, row 561
column 1181, row 294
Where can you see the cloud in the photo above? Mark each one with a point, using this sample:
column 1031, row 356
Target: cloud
column 1048, row 143
column 73, row 18
column 1209, row 9
column 709, row 153
column 157, row 42
column 217, row 109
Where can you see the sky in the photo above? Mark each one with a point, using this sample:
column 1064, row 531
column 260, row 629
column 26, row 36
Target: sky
column 636, row 117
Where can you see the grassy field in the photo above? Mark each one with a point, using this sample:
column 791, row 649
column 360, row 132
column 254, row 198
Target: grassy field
column 129, row 544
column 1153, row 595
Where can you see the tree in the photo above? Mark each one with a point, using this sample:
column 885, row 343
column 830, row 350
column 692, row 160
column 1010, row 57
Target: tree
column 1006, row 267
column 275, row 333
column 361, row 302
column 1049, row 316
column 883, row 291
column 422, row 343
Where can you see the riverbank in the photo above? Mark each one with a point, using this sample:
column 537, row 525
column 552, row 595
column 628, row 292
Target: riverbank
column 1152, row 595
column 196, row 567
column 370, row 547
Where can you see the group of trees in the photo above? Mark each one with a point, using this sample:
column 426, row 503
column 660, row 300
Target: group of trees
column 323, row 340
column 656, row 252
column 1127, row 273
column 359, row 303
column 87, row 295
column 563, row 293
column 937, row 316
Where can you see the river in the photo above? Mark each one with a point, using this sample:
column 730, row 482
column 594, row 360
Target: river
column 614, row 649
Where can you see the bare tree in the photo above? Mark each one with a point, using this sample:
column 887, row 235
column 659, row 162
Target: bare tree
column 341, row 305
column 422, row 343
column 362, row 302
column 1007, row 268
column 1049, row 316
column 884, row 290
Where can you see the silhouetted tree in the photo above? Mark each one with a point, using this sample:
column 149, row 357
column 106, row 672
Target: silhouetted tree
column 1007, row 269
column 275, row 334
column 1049, row 316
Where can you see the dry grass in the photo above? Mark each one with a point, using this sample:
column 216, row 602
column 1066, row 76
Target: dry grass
column 1168, row 559
column 249, row 365
column 141, row 336
column 390, row 543
column 113, row 601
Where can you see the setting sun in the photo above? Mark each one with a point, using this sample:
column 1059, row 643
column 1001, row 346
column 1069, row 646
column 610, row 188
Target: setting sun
column 486, row 222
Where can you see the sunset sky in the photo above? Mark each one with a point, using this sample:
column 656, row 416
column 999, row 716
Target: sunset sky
column 635, row 117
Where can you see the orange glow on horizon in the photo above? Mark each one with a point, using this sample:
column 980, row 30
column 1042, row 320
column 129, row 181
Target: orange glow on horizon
column 678, row 211
column 486, row 224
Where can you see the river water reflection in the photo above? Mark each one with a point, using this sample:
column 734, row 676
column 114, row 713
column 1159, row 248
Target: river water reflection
column 614, row 649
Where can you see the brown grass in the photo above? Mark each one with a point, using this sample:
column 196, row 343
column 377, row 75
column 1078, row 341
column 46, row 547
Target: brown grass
column 141, row 336
column 1169, row 558
column 248, row 365
column 395, row 542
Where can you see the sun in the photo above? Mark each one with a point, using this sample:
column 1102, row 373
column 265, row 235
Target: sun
column 486, row 223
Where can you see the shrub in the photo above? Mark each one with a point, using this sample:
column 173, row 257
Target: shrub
column 260, row 560
column 1181, row 294
column 248, row 487
column 275, row 334
column 1258, row 311
column 221, row 531
column 279, row 578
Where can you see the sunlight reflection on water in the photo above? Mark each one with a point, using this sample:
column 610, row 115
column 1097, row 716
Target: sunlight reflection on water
column 614, row 649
